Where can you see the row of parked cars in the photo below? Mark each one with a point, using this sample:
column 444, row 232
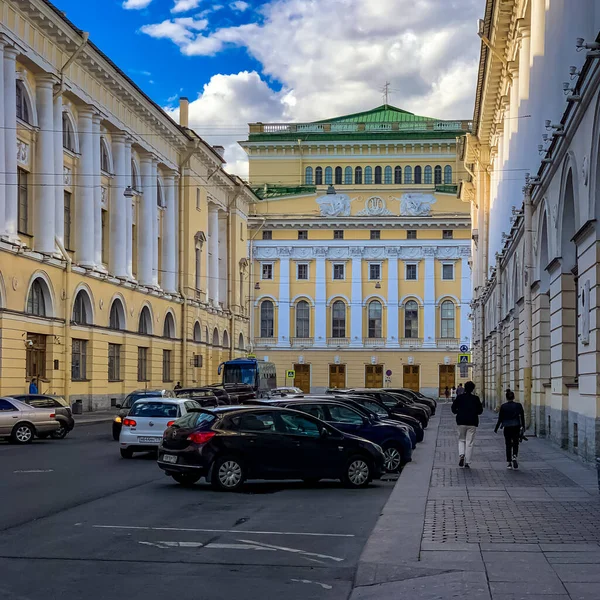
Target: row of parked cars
column 353, row 435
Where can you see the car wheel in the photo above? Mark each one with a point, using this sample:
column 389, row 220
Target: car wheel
column 59, row 434
column 22, row 434
column 358, row 472
column 186, row 479
column 392, row 458
column 126, row 453
column 228, row 474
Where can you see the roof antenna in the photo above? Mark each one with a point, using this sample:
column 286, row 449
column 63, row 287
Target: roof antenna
column 386, row 93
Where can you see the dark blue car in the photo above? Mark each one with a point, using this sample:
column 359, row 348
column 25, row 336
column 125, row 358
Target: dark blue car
column 395, row 442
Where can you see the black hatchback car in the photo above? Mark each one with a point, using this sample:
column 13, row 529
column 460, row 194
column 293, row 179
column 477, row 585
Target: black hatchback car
column 60, row 407
column 230, row 444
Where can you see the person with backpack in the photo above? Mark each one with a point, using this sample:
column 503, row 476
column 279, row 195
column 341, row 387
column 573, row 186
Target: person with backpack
column 512, row 419
column 467, row 407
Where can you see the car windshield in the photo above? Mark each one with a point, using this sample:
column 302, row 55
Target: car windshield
column 135, row 396
column 376, row 408
column 195, row 420
column 239, row 374
column 60, row 400
column 155, row 410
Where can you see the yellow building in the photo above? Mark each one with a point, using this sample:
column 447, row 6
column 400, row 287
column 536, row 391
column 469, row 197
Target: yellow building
column 360, row 250
column 123, row 244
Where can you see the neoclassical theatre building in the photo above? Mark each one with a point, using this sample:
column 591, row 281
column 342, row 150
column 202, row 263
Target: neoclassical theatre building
column 360, row 250
column 123, row 248
column 534, row 183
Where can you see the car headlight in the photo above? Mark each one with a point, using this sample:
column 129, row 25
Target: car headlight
column 118, row 419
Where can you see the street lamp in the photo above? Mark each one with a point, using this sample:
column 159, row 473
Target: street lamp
column 128, row 193
column 378, row 286
column 257, row 286
column 331, row 191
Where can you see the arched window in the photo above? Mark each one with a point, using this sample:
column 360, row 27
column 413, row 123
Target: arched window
column 216, row 341
column 267, row 319
column 117, row 315
column 428, row 175
column 82, row 309
column 398, row 175
column 135, row 176
column 328, row 176
column 418, row 175
column 388, row 176
column 447, row 174
column 68, row 133
column 338, row 176
column 308, row 176
column 160, row 199
column 241, row 344
column 36, row 302
column 368, row 175
column 408, row 175
column 348, row 176
column 319, row 176
column 437, row 175
column 197, row 332
column 378, row 174
column 338, row 319
column 23, row 108
column 358, row 175
column 169, row 326
column 302, row 319
column 104, row 157
column 411, row 320
column 145, row 323
column 447, row 319
column 375, row 319
column 225, row 339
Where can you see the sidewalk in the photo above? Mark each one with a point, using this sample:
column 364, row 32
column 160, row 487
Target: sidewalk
column 488, row 533
column 93, row 418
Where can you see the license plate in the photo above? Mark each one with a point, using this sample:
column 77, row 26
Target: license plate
column 170, row 458
column 149, row 440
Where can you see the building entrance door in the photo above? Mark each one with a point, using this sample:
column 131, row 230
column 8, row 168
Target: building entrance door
column 302, row 379
column 374, row 376
column 36, row 356
column 447, row 378
column 337, row 376
column 411, row 378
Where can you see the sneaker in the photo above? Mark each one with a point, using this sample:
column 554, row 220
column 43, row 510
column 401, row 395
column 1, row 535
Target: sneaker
column 509, row 466
column 467, row 466
column 461, row 462
column 515, row 464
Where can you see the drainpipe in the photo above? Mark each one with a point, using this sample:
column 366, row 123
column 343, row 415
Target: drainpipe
column 499, row 348
column 85, row 37
column 231, row 257
column 528, row 350
column 182, row 270
column 67, row 329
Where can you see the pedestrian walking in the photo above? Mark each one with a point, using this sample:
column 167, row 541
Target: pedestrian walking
column 177, row 386
column 460, row 390
column 33, row 388
column 453, row 393
column 512, row 419
column 467, row 407
column 447, row 393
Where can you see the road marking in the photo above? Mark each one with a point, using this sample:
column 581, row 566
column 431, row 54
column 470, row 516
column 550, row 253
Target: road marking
column 325, row 586
column 294, row 550
column 212, row 546
column 34, row 471
column 237, row 531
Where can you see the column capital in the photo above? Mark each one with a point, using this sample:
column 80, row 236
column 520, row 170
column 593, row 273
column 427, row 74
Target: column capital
column 10, row 52
column 87, row 112
column 47, row 80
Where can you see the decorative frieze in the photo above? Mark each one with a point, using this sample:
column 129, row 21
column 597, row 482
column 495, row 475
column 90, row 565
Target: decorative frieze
column 22, row 152
column 67, row 176
column 374, row 207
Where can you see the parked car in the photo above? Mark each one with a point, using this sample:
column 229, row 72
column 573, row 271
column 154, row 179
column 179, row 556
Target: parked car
column 60, row 407
column 288, row 392
column 416, row 396
column 238, row 392
column 20, row 423
column 148, row 418
column 125, row 407
column 229, row 444
column 204, row 397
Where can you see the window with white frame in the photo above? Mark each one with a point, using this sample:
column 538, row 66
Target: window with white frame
column 447, row 319
column 374, row 271
column 266, row 271
column 302, row 271
column 411, row 272
column 448, row 271
column 339, row 271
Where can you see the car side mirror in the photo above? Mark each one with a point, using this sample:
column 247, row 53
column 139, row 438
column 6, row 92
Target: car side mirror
column 325, row 433
column 118, row 406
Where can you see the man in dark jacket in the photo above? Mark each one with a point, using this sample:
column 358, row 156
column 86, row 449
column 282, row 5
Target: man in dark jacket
column 467, row 407
column 512, row 418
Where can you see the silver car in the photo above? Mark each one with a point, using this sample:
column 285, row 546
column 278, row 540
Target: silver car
column 21, row 423
column 143, row 427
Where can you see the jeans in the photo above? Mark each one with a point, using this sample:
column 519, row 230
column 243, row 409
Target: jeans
column 512, row 436
column 466, row 439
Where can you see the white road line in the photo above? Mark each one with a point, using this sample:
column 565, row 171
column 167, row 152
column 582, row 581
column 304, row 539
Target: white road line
column 35, row 471
column 236, row 531
column 211, row 546
column 294, row 550
column 325, row 586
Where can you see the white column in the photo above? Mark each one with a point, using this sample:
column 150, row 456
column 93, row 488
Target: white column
column 514, row 103
column 465, row 297
column 118, row 252
column 538, row 28
column 356, row 310
column 223, row 258
column 321, row 326
column 84, row 197
column 213, row 250
column 169, row 245
column 144, row 226
column 2, row 161
column 10, row 143
column 429, row 311
column 392, row 298
column 59, row 164
column 97, row 183
column 44, row 199
column 283, row 323
column 524, row 67
column 155, row 228
column 128, row 213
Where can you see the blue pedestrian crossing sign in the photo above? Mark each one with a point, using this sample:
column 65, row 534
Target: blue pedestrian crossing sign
column 464, row 359
column 464, row 348
column 291, row 374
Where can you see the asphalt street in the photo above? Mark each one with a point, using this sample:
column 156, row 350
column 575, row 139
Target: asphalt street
column 77, row 521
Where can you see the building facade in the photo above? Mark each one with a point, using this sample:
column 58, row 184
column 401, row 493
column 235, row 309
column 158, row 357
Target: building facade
column 361, row 250
column 123, row 247
column 534, row 180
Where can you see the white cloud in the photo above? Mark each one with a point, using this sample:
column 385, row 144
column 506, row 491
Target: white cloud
column 185, row 5
column 180, row 31
column 239, row 5
column 135, row 4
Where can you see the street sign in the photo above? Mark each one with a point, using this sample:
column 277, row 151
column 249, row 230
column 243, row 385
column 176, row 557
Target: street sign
column 291, row 374
column 388, row 373
column 251, row 356
column 388, row 379
column 464, row 348
column 464, row 359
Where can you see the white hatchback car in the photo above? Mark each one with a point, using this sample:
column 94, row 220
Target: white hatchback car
column 147, row 420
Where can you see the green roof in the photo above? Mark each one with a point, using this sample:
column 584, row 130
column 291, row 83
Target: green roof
column 268, row 190
column 382, row 114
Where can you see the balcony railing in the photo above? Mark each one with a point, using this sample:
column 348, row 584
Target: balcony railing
column 302, row 342
column 338, row 342
column 453, row 343
column 374, row 342
column 265, row 342
column 411, row 342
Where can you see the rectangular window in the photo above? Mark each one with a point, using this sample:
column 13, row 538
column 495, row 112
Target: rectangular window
column 167, row 375
column 23, row 207
column 339, row 271
column 447, row 234
column 114, row 362
column 411, row 234
column 303, row 234
column 198, row 267
column 338, row 234
column 142, row 364
column 105, row 237
column 302, row 273
column 267, row 271
column 267, row 235
column 68, row 220
column 374, row 271
column 448, row 272
column 375, row 234
column 411, row 272
column 79, row 360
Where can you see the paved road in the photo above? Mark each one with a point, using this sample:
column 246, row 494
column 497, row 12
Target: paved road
column 77, row 521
